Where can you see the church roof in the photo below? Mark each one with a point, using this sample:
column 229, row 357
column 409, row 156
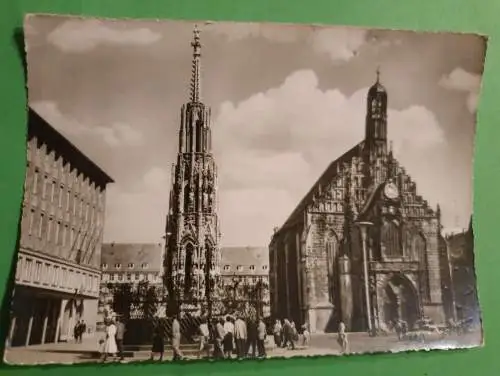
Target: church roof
column 132, row 257
column 244, row 260
column 330, row 172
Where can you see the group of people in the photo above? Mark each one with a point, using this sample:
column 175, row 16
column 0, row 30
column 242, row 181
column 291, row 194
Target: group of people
column 112, row 344
column 230, row 336
column 78, row 331
column 286, row 334
column 233, row 336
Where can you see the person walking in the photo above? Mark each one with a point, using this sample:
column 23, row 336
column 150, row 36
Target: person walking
column 261, row 338
column 120, row 333
column 306, row 336
column 204, row 339
column 240, row 335
column 277, row 333
column 83, row 329
column 176, row 338
column 288, row 333
column 228, row 337
column 342, row 337
column 219, row 338
column 251, row 337
column 110, row 348
column 76, row 332
column 158, row 347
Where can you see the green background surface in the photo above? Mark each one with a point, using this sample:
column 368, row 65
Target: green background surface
column 479, row 16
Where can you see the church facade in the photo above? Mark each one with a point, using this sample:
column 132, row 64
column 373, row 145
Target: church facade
column 362, row 247
column 192, row 270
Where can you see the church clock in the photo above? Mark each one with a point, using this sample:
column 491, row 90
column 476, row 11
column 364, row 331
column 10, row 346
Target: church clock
column 391, row 191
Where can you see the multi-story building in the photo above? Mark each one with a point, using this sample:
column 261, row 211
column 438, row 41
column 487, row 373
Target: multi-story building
column 192, row 228
column 362, row 247
column 461, row 250
column 58, row 263
column 245, row 277
column 128, row 263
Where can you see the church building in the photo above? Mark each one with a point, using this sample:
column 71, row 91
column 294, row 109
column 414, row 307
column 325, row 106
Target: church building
column 192, row 271
column 362, row 247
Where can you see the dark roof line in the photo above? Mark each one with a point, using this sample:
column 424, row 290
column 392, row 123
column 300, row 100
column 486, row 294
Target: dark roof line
column 38, row 126
column 329, row 172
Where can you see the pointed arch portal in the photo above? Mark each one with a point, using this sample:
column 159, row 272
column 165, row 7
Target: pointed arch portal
column 400, row 301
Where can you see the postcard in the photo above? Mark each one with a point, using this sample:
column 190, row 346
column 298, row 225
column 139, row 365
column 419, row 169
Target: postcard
column 244, row 190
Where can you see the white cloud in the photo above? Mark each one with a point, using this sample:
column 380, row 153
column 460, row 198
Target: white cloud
column 276, row 144
column 461, row 80
column 341, row 44
column 79, row 35
column 234, row 31
column 116, row 134
column 138, row 213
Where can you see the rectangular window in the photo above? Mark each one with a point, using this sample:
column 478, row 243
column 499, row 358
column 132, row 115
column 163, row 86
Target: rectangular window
column 35, row 181
column 64, row 235
column 60, row 234
column 46, row 187
column 71, row 237
column 60, row 197
column 75, row 199
column 86, row 212
column 41, row 225
column 31, row 219
column 28, row 270
column 49, row 230
column 52, row 191
column 66, row 205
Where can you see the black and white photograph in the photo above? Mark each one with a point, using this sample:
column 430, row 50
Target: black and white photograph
column 222, row 190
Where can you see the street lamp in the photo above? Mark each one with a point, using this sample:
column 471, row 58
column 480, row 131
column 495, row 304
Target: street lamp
column 364, row 235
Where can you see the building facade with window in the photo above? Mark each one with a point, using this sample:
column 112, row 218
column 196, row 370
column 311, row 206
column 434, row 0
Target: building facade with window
column 245, row 276
column 58, row 263
column 461, row 250
column 363, row 246
column 128, row 263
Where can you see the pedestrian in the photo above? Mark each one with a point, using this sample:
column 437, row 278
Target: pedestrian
column 288, row 333
column 306, row 336
column 342, row 337
column 295, row 333
column 398, row 329
column 176, row 338
column 219, row 338
column 251, row 337
column 120, row 333
column 240, row 336
column 110, row 348
column 158, row 347
column 261, row 338
column 76, row 331
column 228, row 337
column 204, row 339
column 83, row 329
column 277, row 333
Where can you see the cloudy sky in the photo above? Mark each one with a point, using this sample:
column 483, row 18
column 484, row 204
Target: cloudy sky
column 286, row 101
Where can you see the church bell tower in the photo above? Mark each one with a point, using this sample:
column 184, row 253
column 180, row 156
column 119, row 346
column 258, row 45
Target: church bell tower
column 192, row 262
column 375, row 146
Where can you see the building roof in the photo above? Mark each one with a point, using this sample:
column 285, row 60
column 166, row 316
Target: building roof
column 40, row 128
column 330, row 172
column 239, row 260
column 134, row 254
